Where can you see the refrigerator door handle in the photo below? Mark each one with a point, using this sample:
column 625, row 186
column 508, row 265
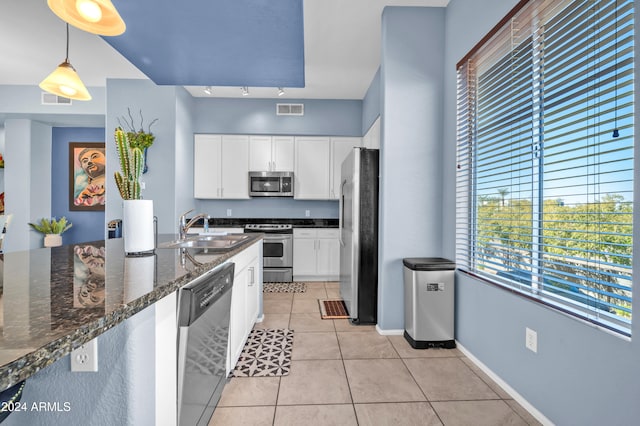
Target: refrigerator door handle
column 341, row 210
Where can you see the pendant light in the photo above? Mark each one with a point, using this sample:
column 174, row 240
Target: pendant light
column 94, row 16
column 65, row 82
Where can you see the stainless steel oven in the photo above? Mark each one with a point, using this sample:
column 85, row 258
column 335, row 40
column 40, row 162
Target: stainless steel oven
column 277, row 251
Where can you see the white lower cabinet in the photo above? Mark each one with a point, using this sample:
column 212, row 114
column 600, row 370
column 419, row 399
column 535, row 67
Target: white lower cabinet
column 316, row 254
column 245, row 300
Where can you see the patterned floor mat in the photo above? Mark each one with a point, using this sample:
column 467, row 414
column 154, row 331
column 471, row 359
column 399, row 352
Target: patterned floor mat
column 293, row 287
column 267, row 353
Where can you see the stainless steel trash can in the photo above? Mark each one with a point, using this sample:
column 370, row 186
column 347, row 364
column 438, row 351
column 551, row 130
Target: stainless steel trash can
column 429, row 302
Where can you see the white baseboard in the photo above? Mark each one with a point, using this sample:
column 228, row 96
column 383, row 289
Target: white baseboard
column 508, row 389
column 315, row 278
column 389, row 332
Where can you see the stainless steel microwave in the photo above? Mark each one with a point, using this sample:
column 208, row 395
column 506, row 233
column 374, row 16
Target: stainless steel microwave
column 271, row 184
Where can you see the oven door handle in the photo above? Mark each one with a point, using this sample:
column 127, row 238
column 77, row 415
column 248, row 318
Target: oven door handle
column 272, row 237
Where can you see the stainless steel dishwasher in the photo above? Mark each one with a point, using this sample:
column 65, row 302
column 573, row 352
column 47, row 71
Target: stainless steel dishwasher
column 204, row 307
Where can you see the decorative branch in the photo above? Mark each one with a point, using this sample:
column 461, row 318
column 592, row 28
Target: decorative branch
column 137, row 138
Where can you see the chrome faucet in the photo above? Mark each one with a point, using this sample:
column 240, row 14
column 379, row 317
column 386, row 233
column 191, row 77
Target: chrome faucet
column 183, row 225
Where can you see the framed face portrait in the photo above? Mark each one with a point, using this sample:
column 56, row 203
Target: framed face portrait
column 87, row 176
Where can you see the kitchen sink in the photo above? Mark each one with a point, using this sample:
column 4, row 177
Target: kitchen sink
column 220, row 243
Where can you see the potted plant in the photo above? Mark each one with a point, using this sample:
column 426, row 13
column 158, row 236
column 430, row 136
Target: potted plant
column 52, row 230
column 137, row 217
column 138, row 138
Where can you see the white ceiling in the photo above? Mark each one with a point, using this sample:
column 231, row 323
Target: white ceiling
column 342, row 49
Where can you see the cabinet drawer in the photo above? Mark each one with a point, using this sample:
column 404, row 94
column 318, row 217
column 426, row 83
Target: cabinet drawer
column 304, row 233
column 328, row 233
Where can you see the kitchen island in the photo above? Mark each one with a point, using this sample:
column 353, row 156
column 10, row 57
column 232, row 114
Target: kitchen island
column 54, row 300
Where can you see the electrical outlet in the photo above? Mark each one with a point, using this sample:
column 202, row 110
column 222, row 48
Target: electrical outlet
column 531, row 340
column 85, row 358
column 307, row 213
column 229, row 212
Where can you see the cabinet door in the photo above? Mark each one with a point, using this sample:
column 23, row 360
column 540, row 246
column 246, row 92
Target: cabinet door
column 206, row 166
column 328, row 257
column 282, row 153
column 328, row 253
column 238, row 319
column 304, row 256
column 253, row 295
column 260, row 154
column 235, row 167
column 312, row 168
column 340, row 148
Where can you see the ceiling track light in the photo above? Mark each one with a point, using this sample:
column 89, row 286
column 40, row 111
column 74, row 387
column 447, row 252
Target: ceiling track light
column 280, row 91
column 207, row 90
column 245, row 91
column 94, row 16
column 64, row 80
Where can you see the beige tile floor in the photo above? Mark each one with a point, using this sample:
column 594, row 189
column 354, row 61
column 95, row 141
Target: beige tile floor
column 350, row 375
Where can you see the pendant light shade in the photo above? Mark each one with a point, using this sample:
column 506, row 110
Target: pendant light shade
column 64, row 80
column 94, row 16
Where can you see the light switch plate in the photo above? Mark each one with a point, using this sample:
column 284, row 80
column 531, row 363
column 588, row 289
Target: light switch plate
column 531, row 340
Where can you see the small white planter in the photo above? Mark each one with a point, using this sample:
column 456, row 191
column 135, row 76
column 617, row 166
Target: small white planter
column 52, row 240
column 137, row 226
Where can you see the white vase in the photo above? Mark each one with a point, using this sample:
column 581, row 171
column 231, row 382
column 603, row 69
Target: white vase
column 52, row 240
column 137, row 226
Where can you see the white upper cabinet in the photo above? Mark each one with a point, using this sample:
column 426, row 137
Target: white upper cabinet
column 318, row 166
column 221, row 166
column 312, row 168
column 207, row 156
column 271, row 153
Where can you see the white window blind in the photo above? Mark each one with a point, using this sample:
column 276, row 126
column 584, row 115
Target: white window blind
column 545, row 157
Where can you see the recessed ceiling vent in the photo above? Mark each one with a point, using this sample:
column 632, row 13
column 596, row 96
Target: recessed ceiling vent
column 51, row 99
column 289, row 109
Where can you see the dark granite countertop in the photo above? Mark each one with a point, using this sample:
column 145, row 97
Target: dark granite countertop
column 297, row 223
column 54, row 300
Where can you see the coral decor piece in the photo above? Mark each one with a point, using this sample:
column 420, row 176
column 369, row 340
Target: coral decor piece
column 131, row 164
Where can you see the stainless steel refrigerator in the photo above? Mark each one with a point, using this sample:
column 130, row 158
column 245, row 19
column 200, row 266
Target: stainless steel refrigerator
column 359, row 235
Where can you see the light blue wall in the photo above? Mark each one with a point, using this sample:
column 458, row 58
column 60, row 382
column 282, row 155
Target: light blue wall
column 581, row 375
column 410, row 149
column 261, row 208
column 121, row 392
column 258, row 116
column 371, row 103
column 87, row 225
column 184, row 154
column 19, row 100
column 155, row 102
column 27, row 175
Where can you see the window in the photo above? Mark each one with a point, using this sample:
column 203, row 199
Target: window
column 545, row 157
